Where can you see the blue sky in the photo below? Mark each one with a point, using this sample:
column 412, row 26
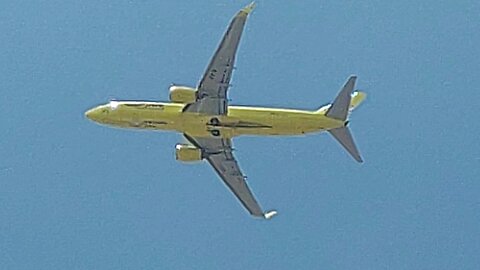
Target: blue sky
column 76, row 195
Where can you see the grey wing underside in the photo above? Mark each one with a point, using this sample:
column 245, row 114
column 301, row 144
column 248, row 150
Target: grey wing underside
column 211, row 99
column 218, row 152
column 212, row 88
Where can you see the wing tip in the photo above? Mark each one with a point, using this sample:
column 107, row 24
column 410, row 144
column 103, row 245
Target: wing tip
column 270, row 214
column 248, row 9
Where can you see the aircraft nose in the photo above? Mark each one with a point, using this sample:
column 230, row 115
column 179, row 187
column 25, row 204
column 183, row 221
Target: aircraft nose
column 93, row 114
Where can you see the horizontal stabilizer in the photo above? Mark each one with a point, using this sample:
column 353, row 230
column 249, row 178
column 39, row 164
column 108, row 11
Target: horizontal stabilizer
column 341, row 104
column 344, row 137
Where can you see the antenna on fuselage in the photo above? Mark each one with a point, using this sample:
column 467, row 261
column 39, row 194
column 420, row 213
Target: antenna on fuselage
column 111, row 98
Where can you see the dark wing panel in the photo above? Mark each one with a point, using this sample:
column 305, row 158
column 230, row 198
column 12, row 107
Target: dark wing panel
column 218, row 152
column 212, row 89
column 229, row 171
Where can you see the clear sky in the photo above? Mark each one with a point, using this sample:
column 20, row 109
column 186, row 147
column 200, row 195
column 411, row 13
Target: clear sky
column 76, row 195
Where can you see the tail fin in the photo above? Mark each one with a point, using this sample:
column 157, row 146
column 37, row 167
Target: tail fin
column 357, row 98
column 339, row 110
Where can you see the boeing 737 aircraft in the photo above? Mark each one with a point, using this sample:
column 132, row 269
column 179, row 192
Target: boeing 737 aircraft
column 207, row 121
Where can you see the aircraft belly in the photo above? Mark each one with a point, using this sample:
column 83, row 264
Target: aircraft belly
column 243, row 121
column 275, row 121
column 153, row 116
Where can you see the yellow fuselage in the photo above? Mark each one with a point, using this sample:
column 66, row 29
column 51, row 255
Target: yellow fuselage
column 240, row 120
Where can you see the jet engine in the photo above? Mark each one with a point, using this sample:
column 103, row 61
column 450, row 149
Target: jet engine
column 187, row 153
column 182, row 94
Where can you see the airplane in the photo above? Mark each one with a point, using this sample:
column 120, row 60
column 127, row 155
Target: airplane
column 209, row 123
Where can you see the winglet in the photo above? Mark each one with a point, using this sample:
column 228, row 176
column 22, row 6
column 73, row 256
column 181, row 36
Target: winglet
column 270, row 214
column 249, row 8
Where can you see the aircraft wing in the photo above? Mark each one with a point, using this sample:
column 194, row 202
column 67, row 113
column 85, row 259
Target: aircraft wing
column 212, row 88
column 218, row 152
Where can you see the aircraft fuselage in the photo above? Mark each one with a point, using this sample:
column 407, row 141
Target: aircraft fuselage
column 240, row 120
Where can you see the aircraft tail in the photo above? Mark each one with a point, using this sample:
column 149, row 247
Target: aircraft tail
column 339, row 110
column 344, row 137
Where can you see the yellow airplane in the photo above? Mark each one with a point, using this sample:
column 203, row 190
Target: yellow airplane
column 209, row 123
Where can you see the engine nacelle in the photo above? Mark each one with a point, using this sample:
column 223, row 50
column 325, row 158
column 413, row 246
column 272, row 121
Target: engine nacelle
column 187, row 153
column 182, row 94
